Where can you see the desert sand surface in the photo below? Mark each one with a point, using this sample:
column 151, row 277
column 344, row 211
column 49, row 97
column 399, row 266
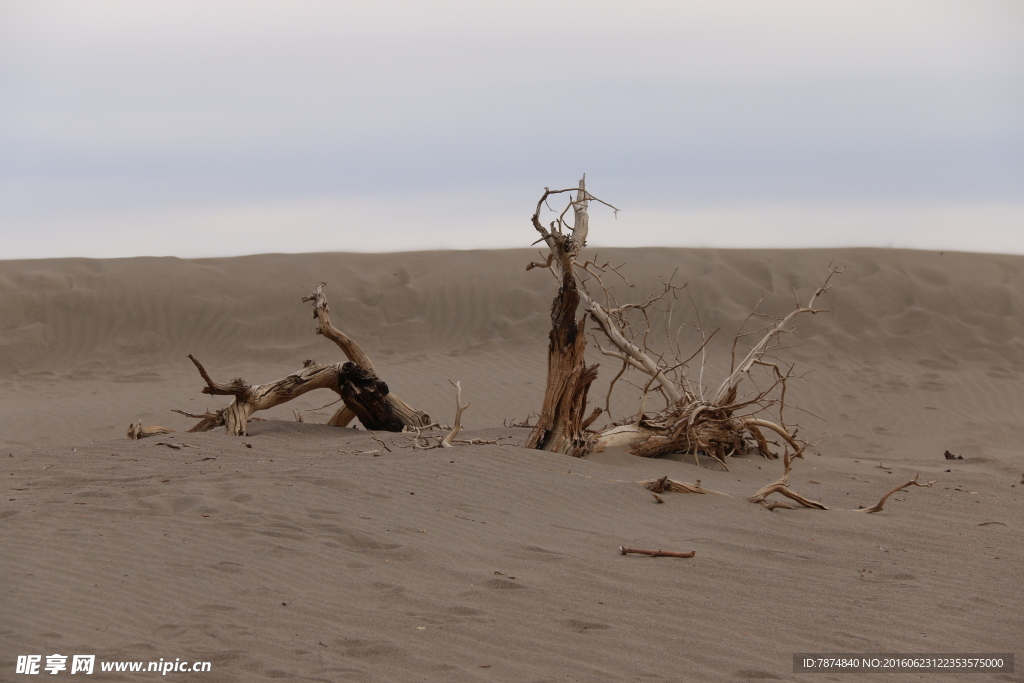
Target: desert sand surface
column 304, row 552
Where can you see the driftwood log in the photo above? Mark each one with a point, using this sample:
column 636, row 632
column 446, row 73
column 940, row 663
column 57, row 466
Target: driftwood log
column 365, row 395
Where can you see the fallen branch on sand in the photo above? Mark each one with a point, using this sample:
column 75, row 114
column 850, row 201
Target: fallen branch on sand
column 781, row 486
column 654, row 553
column 913, row 482
column 656, row 486
column 366, row 396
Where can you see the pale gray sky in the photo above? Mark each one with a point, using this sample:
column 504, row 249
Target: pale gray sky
column 205, row 127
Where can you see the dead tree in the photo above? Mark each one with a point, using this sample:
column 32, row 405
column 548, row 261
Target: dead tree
column 718, row 425
column 731, row 421
column 365, row 395
column 561, row 424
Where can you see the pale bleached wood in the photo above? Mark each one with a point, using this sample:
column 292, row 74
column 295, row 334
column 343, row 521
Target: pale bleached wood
column 136, row 431
column 446, row 442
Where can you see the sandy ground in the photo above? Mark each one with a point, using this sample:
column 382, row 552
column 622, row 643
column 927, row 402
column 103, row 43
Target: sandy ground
column 298, row 553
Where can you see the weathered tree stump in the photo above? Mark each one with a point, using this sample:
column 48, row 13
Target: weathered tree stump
column 561, row 423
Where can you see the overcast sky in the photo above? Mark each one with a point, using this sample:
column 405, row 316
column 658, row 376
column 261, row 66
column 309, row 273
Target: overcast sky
column 206, row 127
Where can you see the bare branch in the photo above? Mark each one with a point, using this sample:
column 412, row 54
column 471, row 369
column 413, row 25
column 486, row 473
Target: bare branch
column 321, row 312
column 236, row 387
column 881, row 504
column 773, row 331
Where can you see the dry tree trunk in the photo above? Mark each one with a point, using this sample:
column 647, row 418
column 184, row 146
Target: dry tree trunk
column 405, row 413
column 560, row 427
column 368, row 397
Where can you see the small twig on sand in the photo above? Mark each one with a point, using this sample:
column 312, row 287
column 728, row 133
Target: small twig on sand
column 654, row 553
column 512, row 423
column 381, row 442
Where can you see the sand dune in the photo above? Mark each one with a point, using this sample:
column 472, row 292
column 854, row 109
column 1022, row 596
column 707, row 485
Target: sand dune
column 100, row 343
column 307, row 557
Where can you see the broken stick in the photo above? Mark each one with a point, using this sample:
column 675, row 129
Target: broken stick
column 654, row 553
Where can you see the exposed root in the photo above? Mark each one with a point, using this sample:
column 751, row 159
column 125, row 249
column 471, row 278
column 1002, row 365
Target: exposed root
column 753, row 422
